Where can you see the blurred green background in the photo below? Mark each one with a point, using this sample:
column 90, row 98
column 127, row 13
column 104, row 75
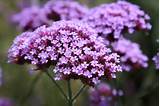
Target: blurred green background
column 141, row 87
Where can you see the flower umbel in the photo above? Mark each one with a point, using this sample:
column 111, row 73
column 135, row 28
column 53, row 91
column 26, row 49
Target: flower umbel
column 30, row 18
column 103, row 95
column 64, row 10
column 111, row 20
column 131, row 55
column 72, row 46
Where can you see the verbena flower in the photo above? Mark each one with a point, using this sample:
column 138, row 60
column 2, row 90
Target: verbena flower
column 64, row 10
column 112, row 20
column 131, row 55
column 72, row 46
column 156, row 60
column 103, row 95
column 30, row 18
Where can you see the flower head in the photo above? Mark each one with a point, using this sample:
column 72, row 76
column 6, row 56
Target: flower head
column 72, row 46
column 131, row 55
column 64, row 10
column 103, row 95
column 111, row 20
column 156, row 60
column 30, row 18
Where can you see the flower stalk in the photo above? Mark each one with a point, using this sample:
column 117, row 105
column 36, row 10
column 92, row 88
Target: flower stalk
column 70, row 102
column 32, row 86
column 79, row 92
column 57, row 85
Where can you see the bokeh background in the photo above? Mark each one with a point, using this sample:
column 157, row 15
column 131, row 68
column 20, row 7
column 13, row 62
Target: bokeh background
column 141, row 87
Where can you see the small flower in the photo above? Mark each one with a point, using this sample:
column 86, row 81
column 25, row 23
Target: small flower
column 68, row 64
column 104, row 89
column 130, row 53
column 64, row 10
column 111, row 20
column 30, row 18
column 156, row 60
column 104, row 95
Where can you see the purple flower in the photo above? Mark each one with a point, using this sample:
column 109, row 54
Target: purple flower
column 64, row 10
column 111, row 20
column 72, row 46
column 156, row 60
column 6, row 102
column 94, row 96
column 131, row 55
column 103, row 95
column 30, row 18
column 104, row 89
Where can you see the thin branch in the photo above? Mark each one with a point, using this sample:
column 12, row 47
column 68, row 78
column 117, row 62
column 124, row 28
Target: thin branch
column 69, row 93
column 32, row 86
column 79, row 92
column 57, row 85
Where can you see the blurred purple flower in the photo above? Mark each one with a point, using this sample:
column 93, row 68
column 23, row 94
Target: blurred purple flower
column 6, row 102
column 104, row 89
column 94, row 96
column 131, row 55
column 103, row 95
column 72, row 46
column 112, row 20
column 156, row 60
column 64, row 10
column 30, row 18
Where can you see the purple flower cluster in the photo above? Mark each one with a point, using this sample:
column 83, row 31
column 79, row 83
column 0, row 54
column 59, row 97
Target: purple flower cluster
column 5, row 102
column 30, row 18
column 103, row 95
column 72, row 46
column 156, row 60
column 111, row 20
column 130, row 54
column 65, row 10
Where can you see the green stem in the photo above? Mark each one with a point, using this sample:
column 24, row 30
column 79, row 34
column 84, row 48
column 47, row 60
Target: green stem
column 119, row 98
column 147, row 90
column 57, row 85
column 32, row 86
column 78, row 93
column 70, row 102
